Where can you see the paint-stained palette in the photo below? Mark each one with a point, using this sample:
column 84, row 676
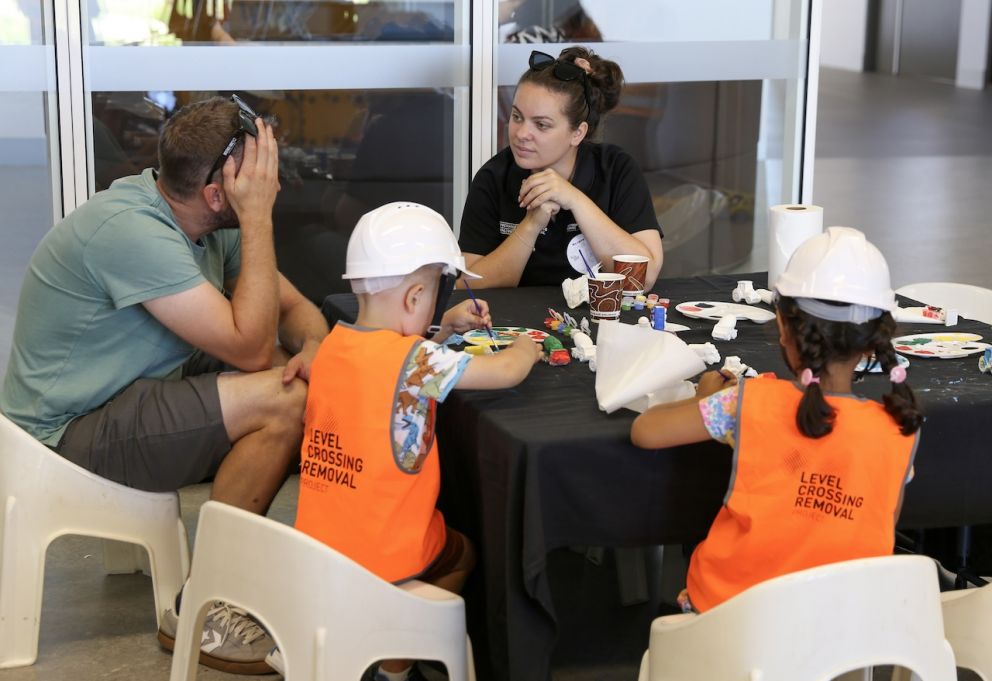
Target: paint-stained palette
column 504, row 335
column 707, row 309
column 940, row 345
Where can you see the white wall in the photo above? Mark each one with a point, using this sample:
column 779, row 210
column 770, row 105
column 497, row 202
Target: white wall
column 973, row 44
column 842, row 43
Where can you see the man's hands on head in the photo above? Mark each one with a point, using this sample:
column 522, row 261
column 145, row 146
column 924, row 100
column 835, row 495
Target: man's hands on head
column 252, row 190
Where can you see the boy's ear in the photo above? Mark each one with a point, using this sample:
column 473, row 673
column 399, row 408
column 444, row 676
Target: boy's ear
column 411, row 299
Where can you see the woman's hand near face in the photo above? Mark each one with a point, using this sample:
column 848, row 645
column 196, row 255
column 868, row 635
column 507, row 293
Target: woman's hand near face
column 548, row 185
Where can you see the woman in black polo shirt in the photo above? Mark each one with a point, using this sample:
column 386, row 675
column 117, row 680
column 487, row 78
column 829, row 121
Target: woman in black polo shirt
column 553, row 197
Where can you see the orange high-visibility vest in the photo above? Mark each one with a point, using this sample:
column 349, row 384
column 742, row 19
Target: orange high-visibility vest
column 796, row 502
column 354, row 496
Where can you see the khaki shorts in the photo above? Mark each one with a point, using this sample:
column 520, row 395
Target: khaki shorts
column 154, row 435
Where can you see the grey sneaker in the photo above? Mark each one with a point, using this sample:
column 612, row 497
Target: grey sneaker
column 232, row 641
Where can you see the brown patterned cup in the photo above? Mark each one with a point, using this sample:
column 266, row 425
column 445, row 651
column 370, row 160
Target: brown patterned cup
column 635, row 269
column 604, row 296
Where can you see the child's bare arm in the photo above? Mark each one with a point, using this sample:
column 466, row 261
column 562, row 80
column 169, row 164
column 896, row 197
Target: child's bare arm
column 504, row 369
column 678, row 423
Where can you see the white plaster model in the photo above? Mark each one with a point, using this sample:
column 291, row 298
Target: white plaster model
column 584, row 350
column 734, row 365
column 706, row 351
column 766, row 296
column 643, row 322
column 725, row 329
column 576, row 291
column 745, row 292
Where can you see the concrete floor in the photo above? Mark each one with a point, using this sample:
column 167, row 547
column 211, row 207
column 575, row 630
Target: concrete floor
column 901, row 156
column 894, row 157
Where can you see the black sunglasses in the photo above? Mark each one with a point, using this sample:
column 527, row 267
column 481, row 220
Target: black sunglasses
column 246, row 125
column 563, row 70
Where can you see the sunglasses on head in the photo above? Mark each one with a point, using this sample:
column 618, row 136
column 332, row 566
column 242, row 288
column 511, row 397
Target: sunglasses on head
column 563, row 70
column 246, row 126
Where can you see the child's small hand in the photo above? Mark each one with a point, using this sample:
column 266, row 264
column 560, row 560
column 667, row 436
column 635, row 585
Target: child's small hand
column 464, row 317
column 714, row 381
column 524, row 344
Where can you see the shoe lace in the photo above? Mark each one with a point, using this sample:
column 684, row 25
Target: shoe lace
column 235, row 622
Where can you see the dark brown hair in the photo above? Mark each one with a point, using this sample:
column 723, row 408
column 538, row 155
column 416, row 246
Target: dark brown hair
column 603, row 85
column 191, row 141
column 820, row 342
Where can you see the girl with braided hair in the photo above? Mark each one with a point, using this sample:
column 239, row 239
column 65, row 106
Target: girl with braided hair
column 818, row 473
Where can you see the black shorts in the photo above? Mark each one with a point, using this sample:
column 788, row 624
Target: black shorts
column 154, row 435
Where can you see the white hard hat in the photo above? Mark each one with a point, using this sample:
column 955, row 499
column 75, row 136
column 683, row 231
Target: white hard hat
column 839, row 265
column 398, row 238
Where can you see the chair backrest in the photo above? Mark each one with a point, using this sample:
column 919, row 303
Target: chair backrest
column 331, row 617
column 973, row 302
column 967, row 622
column 815, row 625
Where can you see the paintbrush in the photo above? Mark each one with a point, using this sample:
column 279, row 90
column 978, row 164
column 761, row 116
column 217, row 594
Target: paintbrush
column 478, row 311
column 586, row 263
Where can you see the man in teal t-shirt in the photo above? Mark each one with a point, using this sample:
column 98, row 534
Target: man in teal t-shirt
column 145, row 346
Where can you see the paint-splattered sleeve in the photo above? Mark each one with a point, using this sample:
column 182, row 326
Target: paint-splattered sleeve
column 719, row 412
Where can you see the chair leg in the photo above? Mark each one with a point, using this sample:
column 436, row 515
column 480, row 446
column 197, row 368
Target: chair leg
column 965, row 577
column 469, row 659
column 168, row 554
column 186, row 653
column 22, row 579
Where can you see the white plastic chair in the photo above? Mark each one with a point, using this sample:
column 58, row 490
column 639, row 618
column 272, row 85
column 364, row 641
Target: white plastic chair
column 44, row 497
column 967, row 623
column 330, row 617
column 812, row 625
column 973, row 302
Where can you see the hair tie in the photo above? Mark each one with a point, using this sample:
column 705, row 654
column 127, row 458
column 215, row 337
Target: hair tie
column 807, row 377
column 897, row 374
column 583, row 64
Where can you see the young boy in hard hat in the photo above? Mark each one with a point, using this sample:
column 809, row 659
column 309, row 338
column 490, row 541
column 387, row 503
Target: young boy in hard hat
column 369, row 473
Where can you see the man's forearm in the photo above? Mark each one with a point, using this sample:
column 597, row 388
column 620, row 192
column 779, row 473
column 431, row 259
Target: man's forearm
column 300, row 323
column 255, row 303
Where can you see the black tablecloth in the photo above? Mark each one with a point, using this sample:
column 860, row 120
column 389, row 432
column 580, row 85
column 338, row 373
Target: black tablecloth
column 539, row 467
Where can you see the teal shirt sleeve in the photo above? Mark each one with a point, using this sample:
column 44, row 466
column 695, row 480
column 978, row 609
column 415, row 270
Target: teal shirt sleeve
column 135, row 262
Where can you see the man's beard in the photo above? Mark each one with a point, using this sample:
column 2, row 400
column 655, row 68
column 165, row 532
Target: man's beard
column 226, row 219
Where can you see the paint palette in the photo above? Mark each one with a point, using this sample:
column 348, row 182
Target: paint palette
column 704, row 309
column 940, row 345
column 876, row 368
column 504, row 335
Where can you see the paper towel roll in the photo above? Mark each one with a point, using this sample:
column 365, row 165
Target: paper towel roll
column 788, row 226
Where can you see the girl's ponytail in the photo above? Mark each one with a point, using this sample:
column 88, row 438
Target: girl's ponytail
column 901, row 402
column 815, row 417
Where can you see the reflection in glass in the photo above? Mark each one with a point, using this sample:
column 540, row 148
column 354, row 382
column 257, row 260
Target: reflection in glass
column 26, row 158
column 341, row 154
column 172, row 22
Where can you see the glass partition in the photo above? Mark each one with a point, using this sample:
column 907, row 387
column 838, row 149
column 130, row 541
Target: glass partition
column 370, row 102
column 30, row 191
column 712, row 110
